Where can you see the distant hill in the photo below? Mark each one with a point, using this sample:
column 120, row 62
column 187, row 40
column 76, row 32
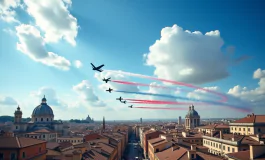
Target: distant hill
column 4, row 119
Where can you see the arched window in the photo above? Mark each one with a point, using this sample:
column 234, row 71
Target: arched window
column 41, row 119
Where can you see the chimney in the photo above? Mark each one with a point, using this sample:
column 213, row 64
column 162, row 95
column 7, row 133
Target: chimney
column 212, row 133
column 193, row 147
column 221, row 134
column 191, row 155
column 233, row 137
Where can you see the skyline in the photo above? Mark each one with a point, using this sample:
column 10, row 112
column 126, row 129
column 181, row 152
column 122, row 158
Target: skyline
column 47, row 47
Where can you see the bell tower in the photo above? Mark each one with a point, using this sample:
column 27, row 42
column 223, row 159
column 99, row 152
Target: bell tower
column 18, row 115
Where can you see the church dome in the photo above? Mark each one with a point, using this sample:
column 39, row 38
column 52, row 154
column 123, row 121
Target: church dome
column 43, row 109
column 192, row 112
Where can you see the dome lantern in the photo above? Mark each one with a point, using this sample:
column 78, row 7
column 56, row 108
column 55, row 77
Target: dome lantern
column 43, row 100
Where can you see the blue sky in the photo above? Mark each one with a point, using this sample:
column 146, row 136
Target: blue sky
column 118, row 33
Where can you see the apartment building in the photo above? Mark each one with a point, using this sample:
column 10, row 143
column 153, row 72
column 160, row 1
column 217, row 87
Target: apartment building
column 250, row 125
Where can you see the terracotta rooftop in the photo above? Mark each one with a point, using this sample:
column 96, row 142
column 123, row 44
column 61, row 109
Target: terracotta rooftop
column 251, row 119
column 155, row 140
column 169, row 154
column 106, row 147
column 93, row 136
column 242, row 155
column 64, row 145
column 202, row 156
column 93, row 155
column 52, row 145
column 213, row 126
column 18, row 142
column 182, row 154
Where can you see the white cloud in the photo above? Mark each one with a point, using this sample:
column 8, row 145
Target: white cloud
column 116, row 86
column 50, row 95
column 54, row 19
column 256, row 96
column 201, row 94
column 187, row 56
column 78, row 64
column 259, row 74
column 9, row 31
column 87, row 95
column 7, row 12
column 32, row 44
column 6, row 100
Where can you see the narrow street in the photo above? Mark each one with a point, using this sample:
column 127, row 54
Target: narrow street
column 133, row 150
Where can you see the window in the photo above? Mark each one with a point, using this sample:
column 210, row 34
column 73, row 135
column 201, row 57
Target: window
column 40, row 149
column 36, row 137
column 16, row 127
column 249, row 129
column 1, row 156
column 239, row 129
column 47, row 119
column 243, row 129
column 23, row 155
column 192, row 156
column 228, row 148
column 157, row 150
column 258, row 129
column 231, row 128
column 223, row 147
column 233, row 149
column 41, row 119
column 36, row 119
column 43, row 136
column 220, row 146
column 235, row 129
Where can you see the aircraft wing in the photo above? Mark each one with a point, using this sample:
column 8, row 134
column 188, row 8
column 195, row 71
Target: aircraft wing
column 100, row 66
column 92, row 65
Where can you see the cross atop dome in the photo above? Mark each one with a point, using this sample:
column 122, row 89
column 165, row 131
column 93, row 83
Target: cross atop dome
column 18, row 108
column 44, row 99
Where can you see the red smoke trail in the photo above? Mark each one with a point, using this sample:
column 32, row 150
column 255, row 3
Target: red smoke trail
column 224, row 98
column 163, row 102
column 163, row 108
column 138, row 101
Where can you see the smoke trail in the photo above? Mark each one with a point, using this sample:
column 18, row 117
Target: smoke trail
column 190, row 99
column 163, row 102
column 154, row 86
column 162, row 108
column 159, row 95
column 224, row 98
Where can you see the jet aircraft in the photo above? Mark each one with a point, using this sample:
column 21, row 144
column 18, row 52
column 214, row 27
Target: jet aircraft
column 123, row 102
column 109, row 90
column 130, row 106
column 97, row 68
column 119, row 99
column 106, row 80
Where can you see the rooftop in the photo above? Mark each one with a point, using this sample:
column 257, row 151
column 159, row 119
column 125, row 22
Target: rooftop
column 251, row 118
column 18, row 142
